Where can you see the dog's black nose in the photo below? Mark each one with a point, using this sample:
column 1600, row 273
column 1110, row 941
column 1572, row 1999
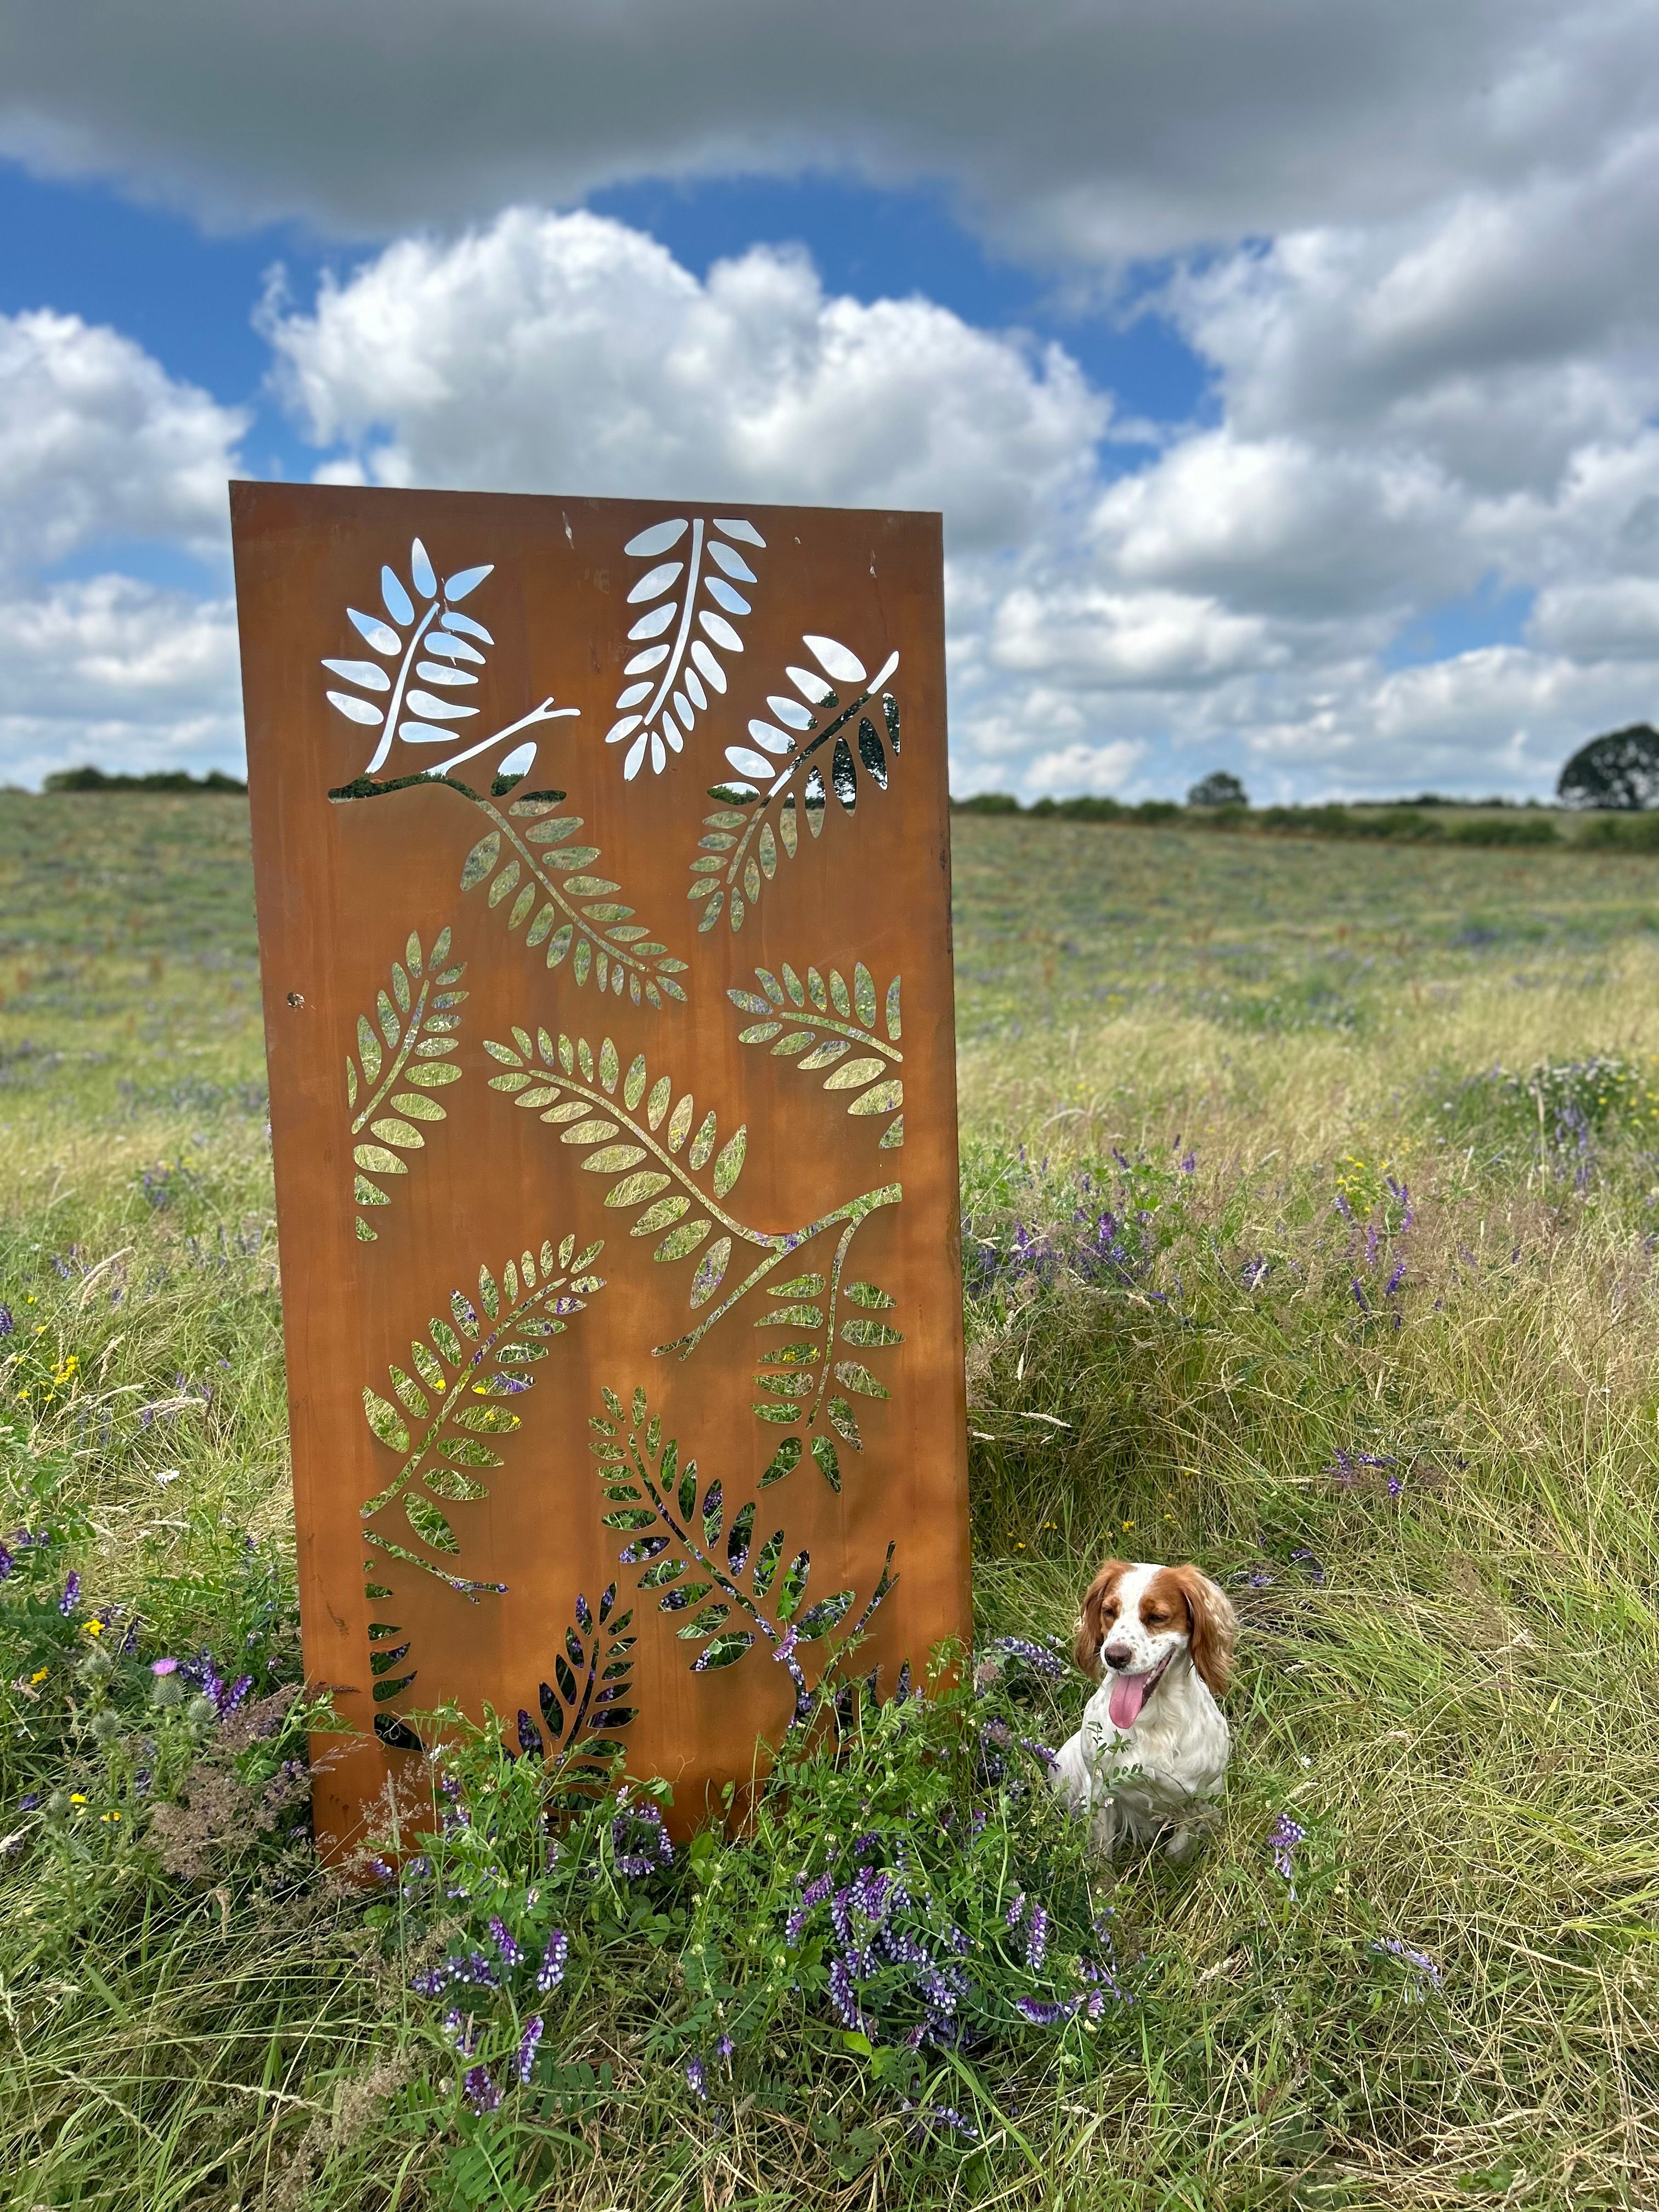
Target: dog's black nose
column 1117, row 1655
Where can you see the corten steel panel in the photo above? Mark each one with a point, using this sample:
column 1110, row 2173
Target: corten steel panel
column 790, row 1306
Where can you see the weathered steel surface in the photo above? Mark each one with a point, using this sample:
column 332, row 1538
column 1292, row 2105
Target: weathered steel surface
column 476, row 1515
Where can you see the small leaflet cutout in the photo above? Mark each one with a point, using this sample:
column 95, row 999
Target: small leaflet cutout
column 539, row 874
column 817, row 1025
column 682, row 610
column 760, row 811
column 449, row 1413
column 579, row 1711
column 421, row 690
column 733, row 1593
column 655, row 1166
column 402, row 1059
column 798, row 1366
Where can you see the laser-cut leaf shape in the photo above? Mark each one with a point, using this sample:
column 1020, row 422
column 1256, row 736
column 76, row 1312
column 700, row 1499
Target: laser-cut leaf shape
column 686, row 600
column 823, row 1039
column 416, row 1019
column 578, row 1097
column 796, row 1374
column 584, row 1708
column 760, row 811
column 470, row 1386
column 731, row 1603
column 531, row 858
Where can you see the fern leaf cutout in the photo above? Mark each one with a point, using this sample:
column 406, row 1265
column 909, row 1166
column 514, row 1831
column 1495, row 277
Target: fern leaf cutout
column 758, row 822
column 429, row 657
column 735, row 1588
column 689, row 598
column 817, row 1025
column 669, row 1168
column 579, row 1712
column 448, row 1416
column 401, row 1061
column 538, row 872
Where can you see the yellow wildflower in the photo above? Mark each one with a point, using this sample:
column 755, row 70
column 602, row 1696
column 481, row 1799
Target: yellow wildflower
column 75, row 1798
column 40, row 1674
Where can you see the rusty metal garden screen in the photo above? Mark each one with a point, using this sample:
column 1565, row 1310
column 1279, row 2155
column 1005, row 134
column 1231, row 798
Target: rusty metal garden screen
column 602, row 862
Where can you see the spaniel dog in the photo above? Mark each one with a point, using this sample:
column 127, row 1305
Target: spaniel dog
column 1151, row 1756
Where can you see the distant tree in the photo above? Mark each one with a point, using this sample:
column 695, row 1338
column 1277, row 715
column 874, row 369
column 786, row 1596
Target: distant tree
column 1620, row 771
column 1218, row 789
column 162, row 779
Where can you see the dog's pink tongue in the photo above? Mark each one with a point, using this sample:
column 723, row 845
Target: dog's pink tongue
column 1128, row 1696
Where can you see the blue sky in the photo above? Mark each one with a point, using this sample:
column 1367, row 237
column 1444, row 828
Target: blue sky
column 1327, row 457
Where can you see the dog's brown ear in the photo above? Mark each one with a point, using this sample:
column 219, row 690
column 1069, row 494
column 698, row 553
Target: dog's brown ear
column 1090, row 1634
column 1212, row 1625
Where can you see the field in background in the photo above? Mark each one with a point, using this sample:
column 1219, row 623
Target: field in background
column 1311, row 1205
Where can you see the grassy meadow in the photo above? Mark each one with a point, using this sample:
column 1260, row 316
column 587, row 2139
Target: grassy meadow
column 1311, row 1193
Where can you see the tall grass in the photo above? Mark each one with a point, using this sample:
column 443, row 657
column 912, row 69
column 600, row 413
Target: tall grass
column 1283, row 1255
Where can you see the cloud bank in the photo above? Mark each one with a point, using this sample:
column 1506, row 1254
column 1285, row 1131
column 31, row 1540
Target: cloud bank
column 1414, row 248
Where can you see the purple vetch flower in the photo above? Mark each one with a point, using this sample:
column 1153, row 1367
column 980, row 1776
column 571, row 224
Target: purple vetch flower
column 430, row 1982
column 71, row 1596
column 1359, row 1297
column 550, row 1972
column 506, row 1942
column 725, row 2047
column 1253, row 1274
column 482, row 2092
column 6, row 1324
column 1396, row 1484
column 935, row 2118
column 1394, row 1279
column 696, row 2077
column 6, row 1563
column 381, row 1870
column 1316, row 1572
column 659, row 1849
column 1046, row 2012
column 527, row 2044
column 844, row 1996
column 811, row 1896
column 458, row 2027
column 1283, row 1838
column 785, row 1649
column 1257, row 1578
column 1015, row 1911
column 1036, row 1655
column 1395, row 1949
column 28, row 1801
column 1036, row 1938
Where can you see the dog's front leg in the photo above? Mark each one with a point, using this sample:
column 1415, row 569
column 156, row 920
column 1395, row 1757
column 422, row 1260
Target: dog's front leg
column 1103, row 1828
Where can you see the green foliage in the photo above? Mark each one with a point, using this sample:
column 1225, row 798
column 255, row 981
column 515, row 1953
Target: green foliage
column 1218, row 788
column 171, row 780
column 1620, row 770
column 1435, row 1504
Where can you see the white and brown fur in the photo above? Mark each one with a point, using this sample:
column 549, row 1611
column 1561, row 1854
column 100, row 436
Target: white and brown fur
column 1160, row 1775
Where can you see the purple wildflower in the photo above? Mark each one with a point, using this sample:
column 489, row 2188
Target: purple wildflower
column 164, row 1666
column 1036, row 1655
column 1316, row 1572
column 1046, row 2012
column 1036, row 1938
column 696, row 2076
column 6, row 1563
column 505, row 1941
column 1396, row 1949
column 6, row 1324
column 1254, row 1273
column 1394, row 1279
column 71, row 1596
column 430, row 1982
column 932, row 2118
column 725, row 2047
column 529, row 2039
column 1283, row 1838
column 482, row 2092
column 844, row 1996
column 550, row 1972
column 1015, row 1911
